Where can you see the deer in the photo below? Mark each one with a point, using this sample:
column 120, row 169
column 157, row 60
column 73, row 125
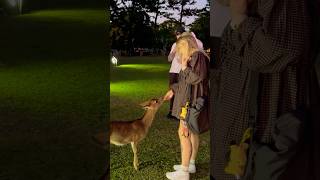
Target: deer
column 131, row 132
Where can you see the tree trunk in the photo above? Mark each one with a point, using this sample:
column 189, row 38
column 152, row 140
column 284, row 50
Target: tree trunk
column 157, row 14
column 181, row 13
column 156, row 19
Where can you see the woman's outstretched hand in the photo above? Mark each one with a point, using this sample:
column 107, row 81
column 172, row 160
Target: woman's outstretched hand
column 168, row 95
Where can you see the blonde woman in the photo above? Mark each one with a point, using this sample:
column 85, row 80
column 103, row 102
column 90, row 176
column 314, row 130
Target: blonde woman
column 194, row 73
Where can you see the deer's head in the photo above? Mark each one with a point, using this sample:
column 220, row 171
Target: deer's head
column 153, row 104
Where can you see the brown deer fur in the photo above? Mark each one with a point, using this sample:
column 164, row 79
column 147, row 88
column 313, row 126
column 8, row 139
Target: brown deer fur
column 125, row 132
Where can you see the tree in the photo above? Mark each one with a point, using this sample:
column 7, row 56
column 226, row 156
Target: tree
column 182, row 7
column 166, row 33
column 130, row 26
column 201, row 26
column 156, row 7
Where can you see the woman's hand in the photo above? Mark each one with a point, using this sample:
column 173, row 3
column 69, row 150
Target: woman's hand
column 168, row 95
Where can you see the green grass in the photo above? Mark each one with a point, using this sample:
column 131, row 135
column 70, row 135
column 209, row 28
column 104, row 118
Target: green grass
column 53, row 94
column 136, row 80
column 89, row 17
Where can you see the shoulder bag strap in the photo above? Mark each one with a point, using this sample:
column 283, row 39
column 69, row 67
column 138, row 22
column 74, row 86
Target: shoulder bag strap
column 253, row 98
column 194, row 95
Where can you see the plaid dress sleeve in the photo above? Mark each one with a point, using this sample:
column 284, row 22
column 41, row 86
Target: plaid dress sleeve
column 273, row 40
column 198, row 69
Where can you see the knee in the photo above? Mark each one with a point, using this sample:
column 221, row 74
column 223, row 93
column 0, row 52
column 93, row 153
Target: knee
column 180, row 133
column 195, row 136
column 184, row 137
column 135, row 151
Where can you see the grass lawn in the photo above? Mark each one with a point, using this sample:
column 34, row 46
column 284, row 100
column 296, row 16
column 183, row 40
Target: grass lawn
column 138, row 79
column 53, row 94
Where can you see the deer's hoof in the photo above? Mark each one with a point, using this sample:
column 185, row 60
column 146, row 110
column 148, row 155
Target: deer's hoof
column 136, row 167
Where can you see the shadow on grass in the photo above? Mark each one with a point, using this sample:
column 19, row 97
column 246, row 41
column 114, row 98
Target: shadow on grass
column 59, row 36
column 53, row 93
column 203, row 171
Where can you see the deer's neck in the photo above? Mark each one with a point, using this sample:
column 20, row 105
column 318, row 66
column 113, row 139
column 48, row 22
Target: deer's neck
column 148, row 117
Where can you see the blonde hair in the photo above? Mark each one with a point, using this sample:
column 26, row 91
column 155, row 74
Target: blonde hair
column 186, row 45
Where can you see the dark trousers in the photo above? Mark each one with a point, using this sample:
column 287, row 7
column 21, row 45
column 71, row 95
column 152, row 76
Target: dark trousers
column 173, row 78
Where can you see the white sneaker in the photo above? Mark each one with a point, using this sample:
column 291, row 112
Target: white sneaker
column 192, row 168
column 178, row 175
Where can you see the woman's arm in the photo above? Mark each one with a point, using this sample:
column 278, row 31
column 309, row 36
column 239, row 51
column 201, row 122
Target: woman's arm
column 174, row 87
column 199, row 71
column 172, row 53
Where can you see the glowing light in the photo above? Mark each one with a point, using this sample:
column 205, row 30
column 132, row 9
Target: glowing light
column 114, row 61
column 146, row 67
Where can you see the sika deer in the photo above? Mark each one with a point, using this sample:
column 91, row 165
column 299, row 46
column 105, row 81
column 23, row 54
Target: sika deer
column 125, row 132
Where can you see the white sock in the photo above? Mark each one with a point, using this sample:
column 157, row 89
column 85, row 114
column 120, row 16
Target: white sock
column 192, row 161
column 184, row 168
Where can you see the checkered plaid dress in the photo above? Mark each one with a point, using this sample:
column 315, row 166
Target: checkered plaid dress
column 273, row 40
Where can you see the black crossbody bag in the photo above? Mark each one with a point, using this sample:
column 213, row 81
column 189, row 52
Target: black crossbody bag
column 194, row 108
column 269, row 161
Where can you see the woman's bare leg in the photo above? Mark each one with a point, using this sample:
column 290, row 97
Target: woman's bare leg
column 195, row 146
column 186, row 146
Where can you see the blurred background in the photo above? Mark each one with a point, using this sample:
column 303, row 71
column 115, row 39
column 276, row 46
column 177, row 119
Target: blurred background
column 53, row 88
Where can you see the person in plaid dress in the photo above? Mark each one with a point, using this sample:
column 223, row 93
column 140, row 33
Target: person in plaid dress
column 272, row 38
column 194, row 74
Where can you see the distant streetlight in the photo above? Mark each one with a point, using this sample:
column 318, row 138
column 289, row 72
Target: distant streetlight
column 114, row 61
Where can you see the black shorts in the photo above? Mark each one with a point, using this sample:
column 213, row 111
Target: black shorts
column 173, row 78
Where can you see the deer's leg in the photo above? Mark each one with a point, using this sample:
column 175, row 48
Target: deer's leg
column 135, row 154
